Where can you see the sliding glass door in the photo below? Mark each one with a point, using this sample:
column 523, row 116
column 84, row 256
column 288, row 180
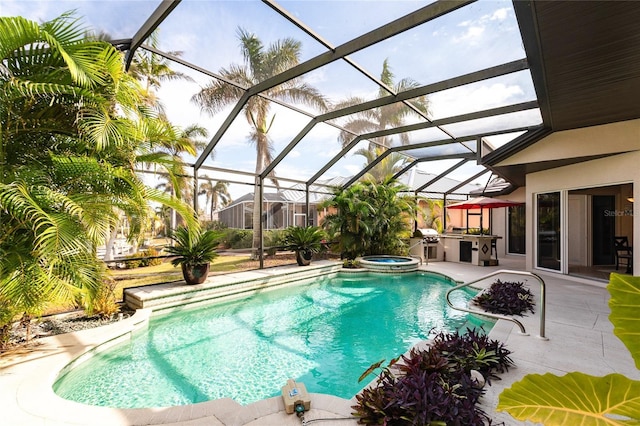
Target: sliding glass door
column 548, row 230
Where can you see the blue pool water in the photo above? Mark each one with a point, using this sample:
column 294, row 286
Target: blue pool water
column 325, row 334
column 388, row 259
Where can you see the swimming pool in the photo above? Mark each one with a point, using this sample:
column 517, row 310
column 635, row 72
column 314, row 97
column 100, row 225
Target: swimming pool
column 324, row 333
column 389, row 263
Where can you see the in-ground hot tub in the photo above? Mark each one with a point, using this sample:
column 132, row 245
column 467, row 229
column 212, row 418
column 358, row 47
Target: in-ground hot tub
column 387, row 263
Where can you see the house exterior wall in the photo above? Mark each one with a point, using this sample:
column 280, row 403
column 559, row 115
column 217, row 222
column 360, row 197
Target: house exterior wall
column 609, row 138
column 617, row 169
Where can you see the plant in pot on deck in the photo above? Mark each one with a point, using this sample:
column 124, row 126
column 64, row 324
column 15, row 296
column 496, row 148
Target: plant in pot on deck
column 305, row 241
column 194, row 250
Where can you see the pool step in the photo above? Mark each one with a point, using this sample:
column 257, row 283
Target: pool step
column 177, row 294
column 476, row 323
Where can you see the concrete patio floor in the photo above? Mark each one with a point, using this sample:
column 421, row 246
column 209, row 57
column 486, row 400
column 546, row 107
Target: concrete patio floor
column 580, row 338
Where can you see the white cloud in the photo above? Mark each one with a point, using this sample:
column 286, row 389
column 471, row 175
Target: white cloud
column 500, row 14
column 472, row 98
column 476, row 28
column 352, row 169
column 471, row 36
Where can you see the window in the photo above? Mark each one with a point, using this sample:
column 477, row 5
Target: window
column 548, row 230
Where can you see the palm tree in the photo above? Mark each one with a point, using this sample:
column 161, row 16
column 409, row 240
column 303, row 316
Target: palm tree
column 70, row 127
column 387, row 116
column 171, row 142
column 386, row 168
column 152, row 70
column 168, row 145
column 433, row 214
column 217, row 193
column 260, row 64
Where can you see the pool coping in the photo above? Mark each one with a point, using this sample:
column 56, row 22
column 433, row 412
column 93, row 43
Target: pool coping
column 175, row 295
column 28, row 399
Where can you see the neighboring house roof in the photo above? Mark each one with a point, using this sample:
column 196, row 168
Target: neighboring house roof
column 321, row 190
column 296, row 194
column 418, row 178
column 317, row 192
column 248, row 197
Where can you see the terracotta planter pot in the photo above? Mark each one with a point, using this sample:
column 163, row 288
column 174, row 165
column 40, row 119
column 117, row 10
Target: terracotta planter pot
column 303, row 257
column 195, row 274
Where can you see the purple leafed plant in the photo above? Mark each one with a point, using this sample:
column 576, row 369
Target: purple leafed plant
column 506, row 298
column 433, row 386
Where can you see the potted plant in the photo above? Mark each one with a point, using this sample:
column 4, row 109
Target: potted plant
column 194, row 249
column 305, row 241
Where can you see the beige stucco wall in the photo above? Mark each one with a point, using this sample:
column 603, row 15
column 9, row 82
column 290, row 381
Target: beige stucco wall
column 622, row 139
column 609, row 138
column 618, row 169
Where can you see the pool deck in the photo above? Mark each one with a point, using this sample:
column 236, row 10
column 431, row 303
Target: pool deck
column 580, row 338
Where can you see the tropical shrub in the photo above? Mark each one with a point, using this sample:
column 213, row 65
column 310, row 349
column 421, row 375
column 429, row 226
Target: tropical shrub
column 473, row 351
column 350, row 263
column 434, row 386
column 274, row 238
column 307, row 238
column 215, row 225
column 305, row 241
column 104, row 304
column 7, row 314
column 133, row 261
column 370, row 218
column 580, row 399
column 73, row 127
column 237, row 238
column 506, row 298
column 150, row 257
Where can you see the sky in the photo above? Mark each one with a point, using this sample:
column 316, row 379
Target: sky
column 472, row 38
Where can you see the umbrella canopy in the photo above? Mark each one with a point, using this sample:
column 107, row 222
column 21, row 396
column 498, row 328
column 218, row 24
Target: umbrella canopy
column 483, row 203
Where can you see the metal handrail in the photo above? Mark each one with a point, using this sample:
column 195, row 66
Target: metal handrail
column 414, row 256
column 498, row 316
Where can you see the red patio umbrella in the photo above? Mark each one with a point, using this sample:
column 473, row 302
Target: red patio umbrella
column 482, row 203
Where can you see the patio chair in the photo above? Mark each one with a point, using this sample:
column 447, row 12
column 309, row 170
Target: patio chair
column 494, row 248
column 624, row 253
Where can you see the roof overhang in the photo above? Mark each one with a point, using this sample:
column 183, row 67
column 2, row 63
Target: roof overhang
column 584, row 58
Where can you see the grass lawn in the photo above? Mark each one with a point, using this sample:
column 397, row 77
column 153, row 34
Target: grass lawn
column 166, row 272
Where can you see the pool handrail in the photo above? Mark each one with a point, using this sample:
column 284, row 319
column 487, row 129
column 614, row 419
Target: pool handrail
column 414, row 256
column 498, row 316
